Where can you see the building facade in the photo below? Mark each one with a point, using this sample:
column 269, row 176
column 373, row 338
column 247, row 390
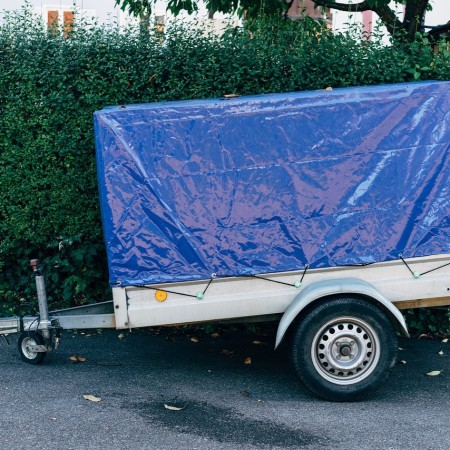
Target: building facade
column 62, row 13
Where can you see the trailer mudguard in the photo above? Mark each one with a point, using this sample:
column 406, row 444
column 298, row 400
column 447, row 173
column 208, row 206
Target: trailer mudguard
column 345, row 286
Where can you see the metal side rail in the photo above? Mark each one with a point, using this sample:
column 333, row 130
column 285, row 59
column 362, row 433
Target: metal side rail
column 39, row 337
column 98, row 315
column 12, row 325
column 9, row 325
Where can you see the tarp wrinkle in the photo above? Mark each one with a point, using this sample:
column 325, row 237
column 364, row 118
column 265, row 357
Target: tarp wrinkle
column 272, row 183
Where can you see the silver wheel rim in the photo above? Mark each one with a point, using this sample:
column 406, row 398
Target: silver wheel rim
column 345, row 350
column 25, row 349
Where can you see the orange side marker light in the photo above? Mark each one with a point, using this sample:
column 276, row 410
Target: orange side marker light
column 161, row 296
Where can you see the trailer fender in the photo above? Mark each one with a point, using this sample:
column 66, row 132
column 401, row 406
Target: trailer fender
column 347, row 286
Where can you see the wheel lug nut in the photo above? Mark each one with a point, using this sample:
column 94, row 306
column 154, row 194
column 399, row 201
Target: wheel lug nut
column 338, row 343
column 352, row 343
column 338, row 356
column 352, row 355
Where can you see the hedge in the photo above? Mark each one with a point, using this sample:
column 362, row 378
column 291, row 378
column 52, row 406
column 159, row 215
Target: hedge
column 51, row 85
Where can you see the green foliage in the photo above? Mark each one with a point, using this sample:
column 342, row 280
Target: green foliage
column 50, row 86
column 434, row 321
column 249, row 8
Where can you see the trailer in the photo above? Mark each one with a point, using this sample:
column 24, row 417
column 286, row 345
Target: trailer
column 328, row 211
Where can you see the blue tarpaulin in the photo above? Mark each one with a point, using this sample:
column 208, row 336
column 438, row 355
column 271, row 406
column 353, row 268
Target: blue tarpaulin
column 272, row 183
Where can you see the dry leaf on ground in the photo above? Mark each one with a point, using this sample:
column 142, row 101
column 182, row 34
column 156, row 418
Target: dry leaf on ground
column 444, row 341
column 424, row 336
column 440, row 353
column 434, row 373
column 248, row 361
column 194, row 339
column 92, row 398
column 227, row 352
column 77, row 358
column 174, row 408
column 402, row 361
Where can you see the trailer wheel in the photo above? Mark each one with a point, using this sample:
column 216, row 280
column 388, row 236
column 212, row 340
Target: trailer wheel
column 344, row 348
column 31, row 338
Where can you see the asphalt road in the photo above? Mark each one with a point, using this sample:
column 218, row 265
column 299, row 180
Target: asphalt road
column 226, row 404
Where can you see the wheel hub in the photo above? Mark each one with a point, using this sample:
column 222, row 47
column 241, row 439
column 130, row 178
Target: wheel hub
column 345, row 350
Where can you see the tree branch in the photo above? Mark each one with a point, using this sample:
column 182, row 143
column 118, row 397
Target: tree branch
column 436, row 32
column 349, row 7
column 386, row 14
column 414, row 16
column 389, row 18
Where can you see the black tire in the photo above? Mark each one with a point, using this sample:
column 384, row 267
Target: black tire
column 343, row 349
column 32, row 338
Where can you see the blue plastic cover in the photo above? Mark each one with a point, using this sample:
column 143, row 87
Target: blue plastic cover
column 271, row 183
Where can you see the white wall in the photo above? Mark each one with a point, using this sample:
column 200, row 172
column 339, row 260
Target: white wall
column 102, row 10
column 105, row 11
column 440, row 13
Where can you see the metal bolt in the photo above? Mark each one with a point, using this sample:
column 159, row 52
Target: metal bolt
column 338, row 343
column 352, row 355
column 352, row 342
column 338, row 356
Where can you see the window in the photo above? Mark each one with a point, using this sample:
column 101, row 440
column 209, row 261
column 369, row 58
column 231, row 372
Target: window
column 160, row 22
column 60, row 19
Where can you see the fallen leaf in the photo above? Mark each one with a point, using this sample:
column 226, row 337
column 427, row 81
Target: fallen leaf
column 77, row 358
column 258, row 342
column 329, row 88
column 424, row 335
column 402, row 361
column 194, row 339
column 215, row 335
column 440, row 353
column 53, row 418
column 227, row 352
column 92, row 398
column 434, row 373
column 121, row 336
column 174, row 408
column 248, row 361
column 444, row 341
column 400, row 348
